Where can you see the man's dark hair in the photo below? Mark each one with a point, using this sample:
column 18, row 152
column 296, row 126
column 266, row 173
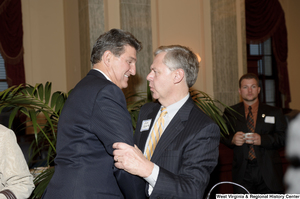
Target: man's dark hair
column 114, row 41
column 249, row 76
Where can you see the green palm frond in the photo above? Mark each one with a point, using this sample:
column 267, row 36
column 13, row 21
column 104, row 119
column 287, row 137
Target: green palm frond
column 134, row 103
column 41, row 182
column 34, row 102
column 211, row 108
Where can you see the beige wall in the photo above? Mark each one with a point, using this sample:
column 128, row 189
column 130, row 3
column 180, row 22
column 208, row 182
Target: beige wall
column 51, row 40
column 51, row 37
column 44, row 43
column 72, row 46
column 186, row 24
column 112, row 14
column 292, row 16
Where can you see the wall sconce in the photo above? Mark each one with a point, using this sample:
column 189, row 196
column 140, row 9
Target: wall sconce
column 199, row 58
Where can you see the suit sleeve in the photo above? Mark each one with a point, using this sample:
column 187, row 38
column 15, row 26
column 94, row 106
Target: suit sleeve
column 198, row 161
column 112, row 123
column 273, row 135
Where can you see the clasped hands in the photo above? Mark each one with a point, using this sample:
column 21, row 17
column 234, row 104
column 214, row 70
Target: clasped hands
column 240, row 138
column 132, row 160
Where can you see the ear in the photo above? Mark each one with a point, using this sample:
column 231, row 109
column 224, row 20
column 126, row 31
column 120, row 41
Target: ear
column 107, row 57
column 178, row 75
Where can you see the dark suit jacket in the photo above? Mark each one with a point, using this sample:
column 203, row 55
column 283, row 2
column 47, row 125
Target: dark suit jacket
column 186, row 153
column 272, row 138
column 93, row 118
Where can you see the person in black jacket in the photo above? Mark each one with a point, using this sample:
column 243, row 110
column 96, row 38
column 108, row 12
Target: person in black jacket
column 187, row 151
column 93, row 118
column 261, row 173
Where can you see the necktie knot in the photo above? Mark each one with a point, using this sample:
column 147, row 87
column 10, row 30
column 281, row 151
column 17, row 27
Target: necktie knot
column 249, row 108
column 163, row 112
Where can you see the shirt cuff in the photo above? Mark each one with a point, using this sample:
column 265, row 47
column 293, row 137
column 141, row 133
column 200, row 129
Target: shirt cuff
column 152, row 178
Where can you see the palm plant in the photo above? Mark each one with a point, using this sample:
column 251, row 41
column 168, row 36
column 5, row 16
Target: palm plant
column 211, row 107
column 134, row 102
column 37, row 100
column 33, row 102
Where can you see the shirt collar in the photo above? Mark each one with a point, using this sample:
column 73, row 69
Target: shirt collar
column 253, row 106
column 102, row 73
column 173, row 108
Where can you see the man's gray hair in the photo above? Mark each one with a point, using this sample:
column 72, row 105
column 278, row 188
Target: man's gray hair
column 181, row 57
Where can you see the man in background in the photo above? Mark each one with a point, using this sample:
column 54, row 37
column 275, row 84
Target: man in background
column 258, row 132
column 179, row 141
column 93, row 118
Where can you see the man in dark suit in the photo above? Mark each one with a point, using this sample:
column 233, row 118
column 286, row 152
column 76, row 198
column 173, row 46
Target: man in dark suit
column 186, row 148
column 93, row 118
column 262, row 171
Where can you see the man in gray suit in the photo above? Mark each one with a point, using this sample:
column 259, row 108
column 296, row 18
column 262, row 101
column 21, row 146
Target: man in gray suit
column 186, row 147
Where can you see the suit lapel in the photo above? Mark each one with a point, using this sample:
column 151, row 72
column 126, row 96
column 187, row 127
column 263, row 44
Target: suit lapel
column 145, row 134
column 175, row 127
column 260, row 119
column 243, row 123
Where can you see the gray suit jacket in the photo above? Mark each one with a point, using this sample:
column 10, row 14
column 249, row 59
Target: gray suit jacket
column 186, row 153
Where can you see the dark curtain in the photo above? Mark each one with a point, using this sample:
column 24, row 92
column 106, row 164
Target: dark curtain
column 11, row 40
column 264, row 19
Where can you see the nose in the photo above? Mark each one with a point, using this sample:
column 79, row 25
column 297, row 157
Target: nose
column 150, row 76
column 133, row 69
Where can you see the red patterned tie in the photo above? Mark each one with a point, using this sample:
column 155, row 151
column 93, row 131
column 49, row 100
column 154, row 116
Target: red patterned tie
column 250, row 125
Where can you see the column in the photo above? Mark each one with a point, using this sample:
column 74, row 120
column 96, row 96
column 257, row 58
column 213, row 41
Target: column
column 136, row 18
column 228, row 48
column 91, row 26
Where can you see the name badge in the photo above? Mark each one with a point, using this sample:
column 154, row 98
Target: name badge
column 270, row 119
column 146, row 125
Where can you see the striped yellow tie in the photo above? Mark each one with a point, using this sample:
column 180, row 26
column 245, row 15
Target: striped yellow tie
column 155, row 134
